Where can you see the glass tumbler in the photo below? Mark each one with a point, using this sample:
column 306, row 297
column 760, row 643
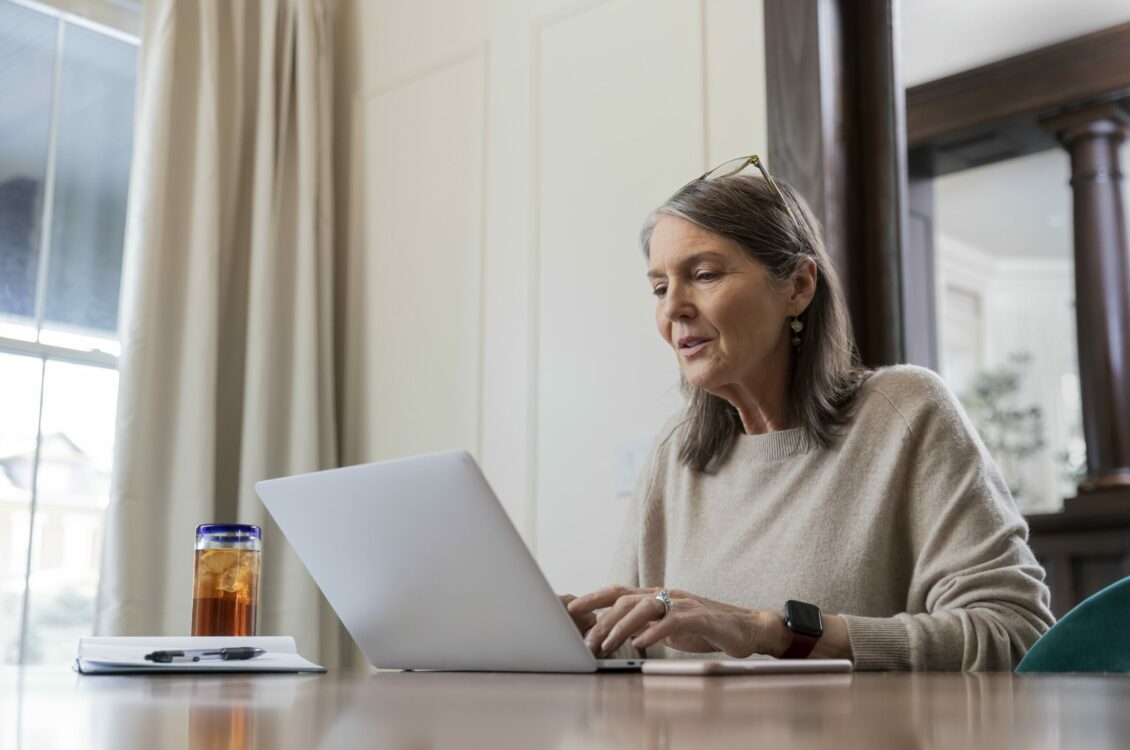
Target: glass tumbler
column 225, row 585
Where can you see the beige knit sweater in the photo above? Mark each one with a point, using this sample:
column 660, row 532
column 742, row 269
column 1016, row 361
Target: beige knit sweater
column 903, row 526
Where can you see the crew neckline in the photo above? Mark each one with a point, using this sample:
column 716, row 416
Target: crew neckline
column 772, row 446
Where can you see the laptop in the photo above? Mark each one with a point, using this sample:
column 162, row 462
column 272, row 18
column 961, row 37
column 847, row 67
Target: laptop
column 425, row 569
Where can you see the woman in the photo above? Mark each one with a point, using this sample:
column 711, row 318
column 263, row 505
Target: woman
column 863, row 499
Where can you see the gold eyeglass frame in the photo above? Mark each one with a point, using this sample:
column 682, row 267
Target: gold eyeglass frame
column 724, row 170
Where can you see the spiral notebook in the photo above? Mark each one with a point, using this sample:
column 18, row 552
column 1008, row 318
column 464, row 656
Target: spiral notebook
column 126, row 655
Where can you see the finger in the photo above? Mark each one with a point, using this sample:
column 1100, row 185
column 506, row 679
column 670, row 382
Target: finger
column 598, row 599
column 645, row 611
column 566, row 598
column 671, row 625
column 608, row 619
column 601, row 598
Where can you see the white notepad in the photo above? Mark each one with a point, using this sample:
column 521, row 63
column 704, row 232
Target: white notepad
column 126, row 655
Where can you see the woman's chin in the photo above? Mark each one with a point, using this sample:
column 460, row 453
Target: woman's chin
column 700, row 378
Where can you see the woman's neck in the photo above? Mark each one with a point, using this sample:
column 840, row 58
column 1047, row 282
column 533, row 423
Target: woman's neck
column 763, row 406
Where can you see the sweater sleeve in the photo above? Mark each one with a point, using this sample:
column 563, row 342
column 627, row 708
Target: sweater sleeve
column 976, row 599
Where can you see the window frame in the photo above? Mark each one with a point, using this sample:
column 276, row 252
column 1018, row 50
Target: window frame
column 46, row 352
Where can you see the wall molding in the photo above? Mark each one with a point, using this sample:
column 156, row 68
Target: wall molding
column 484, row 203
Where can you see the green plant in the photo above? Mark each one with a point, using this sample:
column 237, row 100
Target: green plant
column 1012, row 430
column 1073, row 461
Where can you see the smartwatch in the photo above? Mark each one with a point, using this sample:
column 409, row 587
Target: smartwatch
column 806, row 625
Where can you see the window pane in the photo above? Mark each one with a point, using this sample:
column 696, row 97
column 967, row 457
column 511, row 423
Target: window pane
column 72, row 492
column 19, row 415
column 27, row 54
column 91, row 180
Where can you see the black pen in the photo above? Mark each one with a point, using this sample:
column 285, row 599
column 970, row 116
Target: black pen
column 204, row 654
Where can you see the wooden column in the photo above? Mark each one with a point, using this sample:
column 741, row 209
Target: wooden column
column 837, row 133
column 1092, row 135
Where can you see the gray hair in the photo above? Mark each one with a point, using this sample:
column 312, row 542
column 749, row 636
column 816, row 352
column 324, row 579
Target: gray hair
column 825, row 370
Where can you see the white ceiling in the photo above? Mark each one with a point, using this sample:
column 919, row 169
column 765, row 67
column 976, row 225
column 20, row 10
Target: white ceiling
column 1020, row 207
column 940, row 37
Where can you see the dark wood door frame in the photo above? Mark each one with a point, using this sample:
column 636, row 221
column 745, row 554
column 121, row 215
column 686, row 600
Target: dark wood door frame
column 837, row 134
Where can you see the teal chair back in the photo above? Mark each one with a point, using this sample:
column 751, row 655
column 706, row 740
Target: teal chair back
column 1093, row 637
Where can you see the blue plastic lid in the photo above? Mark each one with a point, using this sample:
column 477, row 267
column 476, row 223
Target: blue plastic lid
column 229, row 531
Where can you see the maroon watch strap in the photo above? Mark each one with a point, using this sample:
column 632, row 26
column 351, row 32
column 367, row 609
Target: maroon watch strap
column 801, row 646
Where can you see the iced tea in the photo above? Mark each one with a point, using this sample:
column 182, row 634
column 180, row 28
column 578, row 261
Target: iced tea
column 225, row 588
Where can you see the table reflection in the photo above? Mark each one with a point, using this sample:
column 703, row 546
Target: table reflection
column 437, row 710
column 223, row 719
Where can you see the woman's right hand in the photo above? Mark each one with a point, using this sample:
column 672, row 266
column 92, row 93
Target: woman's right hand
column 585, row 621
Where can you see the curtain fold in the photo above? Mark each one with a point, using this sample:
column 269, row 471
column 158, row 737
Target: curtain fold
column 228, row 345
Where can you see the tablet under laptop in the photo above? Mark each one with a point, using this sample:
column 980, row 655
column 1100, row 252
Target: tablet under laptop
column 425, row 569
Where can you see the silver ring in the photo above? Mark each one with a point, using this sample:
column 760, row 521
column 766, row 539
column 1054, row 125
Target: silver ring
column 664, row 596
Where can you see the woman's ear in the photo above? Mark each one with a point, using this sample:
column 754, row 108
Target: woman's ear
column 803, row 286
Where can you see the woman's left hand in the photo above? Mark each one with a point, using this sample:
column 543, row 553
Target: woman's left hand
column 694, row 623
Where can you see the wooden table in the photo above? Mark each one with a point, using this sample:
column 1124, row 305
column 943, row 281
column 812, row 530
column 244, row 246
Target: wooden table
column 59, row 709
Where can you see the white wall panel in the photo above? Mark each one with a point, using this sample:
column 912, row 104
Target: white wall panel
column 735, row 80
column 422, row 262
column 618, row 125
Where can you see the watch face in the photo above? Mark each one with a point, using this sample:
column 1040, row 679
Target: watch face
column 804, row 618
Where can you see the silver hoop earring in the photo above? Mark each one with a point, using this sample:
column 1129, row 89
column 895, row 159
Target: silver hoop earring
column 797, row 325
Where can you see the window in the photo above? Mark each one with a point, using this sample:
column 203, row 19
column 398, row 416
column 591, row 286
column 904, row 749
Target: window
column 66, row 132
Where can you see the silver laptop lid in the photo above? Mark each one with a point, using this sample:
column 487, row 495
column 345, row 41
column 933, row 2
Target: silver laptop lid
column 424, row 567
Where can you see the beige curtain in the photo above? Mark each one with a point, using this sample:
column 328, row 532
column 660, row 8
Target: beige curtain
column 228, row 328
